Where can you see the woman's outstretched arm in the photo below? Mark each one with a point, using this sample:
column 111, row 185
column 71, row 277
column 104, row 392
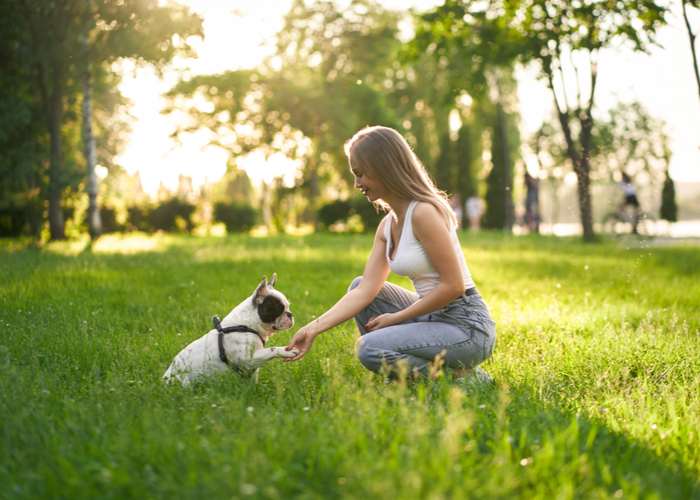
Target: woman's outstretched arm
column 374, row 276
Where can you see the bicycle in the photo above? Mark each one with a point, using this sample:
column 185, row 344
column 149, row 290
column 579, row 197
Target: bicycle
column 628, row 219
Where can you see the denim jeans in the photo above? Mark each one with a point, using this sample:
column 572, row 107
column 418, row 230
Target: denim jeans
column 462, row 333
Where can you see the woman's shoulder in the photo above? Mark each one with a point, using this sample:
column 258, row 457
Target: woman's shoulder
column 426, row 216
column 424, row 210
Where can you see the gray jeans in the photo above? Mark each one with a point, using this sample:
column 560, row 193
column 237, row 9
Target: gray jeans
column 462, row 333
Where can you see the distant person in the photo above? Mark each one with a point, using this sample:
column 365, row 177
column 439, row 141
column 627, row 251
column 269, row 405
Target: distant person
column 456, row 202
column 475, row 209
column 445, row 319
column 532, row 203
column 629, row 191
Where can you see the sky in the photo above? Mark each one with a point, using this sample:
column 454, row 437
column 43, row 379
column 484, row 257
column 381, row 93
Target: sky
column 239, row 34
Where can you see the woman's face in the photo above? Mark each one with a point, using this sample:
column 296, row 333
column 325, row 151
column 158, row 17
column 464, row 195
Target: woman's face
column 372, row 188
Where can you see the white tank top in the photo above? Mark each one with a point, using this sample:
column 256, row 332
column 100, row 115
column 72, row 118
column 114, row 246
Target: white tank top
column 411, row 260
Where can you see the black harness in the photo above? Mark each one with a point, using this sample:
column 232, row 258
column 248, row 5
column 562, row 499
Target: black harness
column 228, row 329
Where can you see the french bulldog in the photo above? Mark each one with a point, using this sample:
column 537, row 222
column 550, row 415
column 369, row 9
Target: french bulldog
column 238, row 342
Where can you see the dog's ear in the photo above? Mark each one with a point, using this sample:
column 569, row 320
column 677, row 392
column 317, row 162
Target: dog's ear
column 261, row 291
column 273, row 281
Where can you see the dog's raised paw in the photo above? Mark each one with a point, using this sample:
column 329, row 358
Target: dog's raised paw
column 290, row 354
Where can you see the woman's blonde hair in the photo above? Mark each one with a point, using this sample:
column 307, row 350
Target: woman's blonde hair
column 386, row 156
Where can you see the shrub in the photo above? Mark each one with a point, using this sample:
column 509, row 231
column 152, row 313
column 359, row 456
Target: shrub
column 368, row 213
column 333, row 212
column 237, row 216
column 138, row 218
column 12, row 221
column 341, row 212
column 108, row 216
column 172, row 216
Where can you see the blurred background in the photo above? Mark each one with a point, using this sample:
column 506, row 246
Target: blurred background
column 214, row 116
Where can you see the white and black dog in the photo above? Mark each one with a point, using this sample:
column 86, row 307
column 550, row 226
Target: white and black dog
column 238, row 342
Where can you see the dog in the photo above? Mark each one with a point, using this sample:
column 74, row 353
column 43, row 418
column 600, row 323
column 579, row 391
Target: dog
column 238, row 342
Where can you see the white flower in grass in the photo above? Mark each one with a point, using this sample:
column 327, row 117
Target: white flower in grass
column 250, row 409
column 248, row 489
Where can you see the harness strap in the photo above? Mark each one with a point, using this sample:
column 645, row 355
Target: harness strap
column 222, row 330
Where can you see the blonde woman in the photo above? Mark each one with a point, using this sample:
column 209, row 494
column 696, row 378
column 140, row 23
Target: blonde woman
column 446, row 318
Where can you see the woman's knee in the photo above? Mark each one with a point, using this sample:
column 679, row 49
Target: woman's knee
column 355, row 283
column 366, row 354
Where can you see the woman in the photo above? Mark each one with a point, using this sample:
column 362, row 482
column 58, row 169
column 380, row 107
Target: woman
column 446, row 319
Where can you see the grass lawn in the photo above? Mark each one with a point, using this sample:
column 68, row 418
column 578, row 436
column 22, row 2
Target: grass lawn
column 597, row 369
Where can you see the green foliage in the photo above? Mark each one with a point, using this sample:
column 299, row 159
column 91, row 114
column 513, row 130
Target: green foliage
column 344, row 211
column 238, row 217
column 500, row 32
column 138, row 218
column 172, row 216
column 47, row 47
column 109, row 221
column 498, row 198
column 12, row 221
column 629, row 139
column 595, row 367
column 669, row 208
column 466, row 153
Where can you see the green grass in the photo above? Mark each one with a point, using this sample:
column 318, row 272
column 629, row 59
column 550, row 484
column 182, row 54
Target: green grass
column 596, row 366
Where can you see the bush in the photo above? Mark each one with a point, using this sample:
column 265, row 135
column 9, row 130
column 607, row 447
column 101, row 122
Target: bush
column 368, row 213
column 341, row 212
column 138, row 218
column 12, row 221
column 108, row 216
column 237, row 216
column 172, row 216
column 334, row 212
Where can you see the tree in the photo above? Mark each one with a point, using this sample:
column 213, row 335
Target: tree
column 669, row 209
column 692, row 36
column 141, row 30
column 499, row 192
column 485, row 77
column 627, row 138
column 49, row 42
column 324, row 83
column 561, row 37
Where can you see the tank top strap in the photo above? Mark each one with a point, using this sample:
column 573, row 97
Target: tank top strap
column 408, row 221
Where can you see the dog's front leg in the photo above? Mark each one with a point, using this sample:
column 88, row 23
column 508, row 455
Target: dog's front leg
column 262, row 356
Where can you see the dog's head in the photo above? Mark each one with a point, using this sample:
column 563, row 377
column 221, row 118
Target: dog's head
column 272, row 307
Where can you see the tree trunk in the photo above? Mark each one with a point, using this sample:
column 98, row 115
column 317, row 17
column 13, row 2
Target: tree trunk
column 584, row 199
column 691, row 35
column 582, row 169
column 57, row 225
column 584, row 177
column 94, row 220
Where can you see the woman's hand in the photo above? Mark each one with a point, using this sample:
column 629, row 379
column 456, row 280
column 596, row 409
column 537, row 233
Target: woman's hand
column 388, row 319
column 302, row 340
